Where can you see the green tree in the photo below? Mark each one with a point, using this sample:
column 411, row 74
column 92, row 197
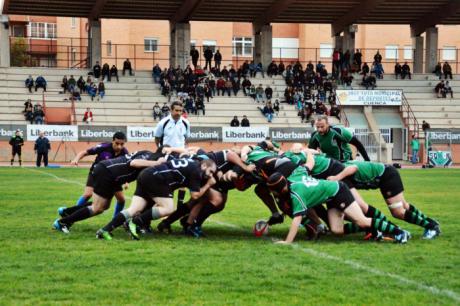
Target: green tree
column 19, row 56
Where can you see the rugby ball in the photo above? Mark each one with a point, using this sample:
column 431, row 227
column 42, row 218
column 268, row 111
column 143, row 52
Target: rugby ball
column 260, row 228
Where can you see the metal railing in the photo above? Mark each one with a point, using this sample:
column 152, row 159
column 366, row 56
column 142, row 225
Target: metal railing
column 409, row 118
column 372, row 141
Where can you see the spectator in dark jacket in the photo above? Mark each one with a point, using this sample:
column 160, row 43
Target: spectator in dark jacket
column 127, row 66
column 235, row 121
column 64, row 84
column 438, row 70
column 272, row 69
column 113, row 72
column 41, row 148
column 97, row 70
column 245, row 121
column 156, row 73
column 81, row 84
column 208, row 58
column 217, row 59
column 40, row 82
column 268, row 92
column 105, row 72
column 398, row 70
column 246, row 84
column 29, row 83
column 447, row 70
column 39, row 115
column 195, row 55
column 365, row 69
column 101, row 89
column 405, row 71
column 439, row 89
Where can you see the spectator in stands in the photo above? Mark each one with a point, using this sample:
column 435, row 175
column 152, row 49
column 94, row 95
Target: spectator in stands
column 29, row 111
column 357, row 58
column 405, row 71
column 105, row 72
column 127, row 66
column 199, row 105
column 236, row 86
column 268, row 92
column 89, row 80
column 81, row 84
column 425, row 126
column 306, row 112
column 415, row 145
column 320, row 68
column 217, row 59
column 212, row 85
column 92, row 90
column 199, row 92
column 346, row 78
column 228, row 87
column 369, row 81
column 334, row 111
column 29, row 83
column 438, row 70
column 252, row 69
column 165, row 110
column 88, row 116
column 41, row 148
column 190, row 105
column 259, row 68
column 447, row 70
column 346, row 60
column 439, row 89
column 208, row 92
column 220, row 86
column 281, row 68
column 101, row 89
column 268, row 112
column 377, row 68
column 156, row 111
column 320, row 108
column 72, row 83
column 39, row 115
column 195, row 55
column 398, row 70
column 245, row 121
column 75, row 94
column 260, row 93
column 246, row 84
column 113, row 72
column 448, row 90
column 208, row 55
column 40, row 82
column 365, row 69
column 64, row 84
column 97, row 70
column 276, row 107
column 335, row 60
column 272, row 69
column 28, row 104
column 378, row 57
column 156, row 72
column 235, row 121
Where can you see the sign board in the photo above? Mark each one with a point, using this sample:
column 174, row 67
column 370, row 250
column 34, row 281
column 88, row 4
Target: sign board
column 205, row 133
column 98, row 133
column 53, row 132
column 369, row 97
column 444, row 136
column 282, row 134
column 244, row 134
column 140, row 134
column 8, row 130
column 440, row 158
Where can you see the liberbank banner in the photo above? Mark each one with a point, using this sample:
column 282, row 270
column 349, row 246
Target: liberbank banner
column 444, row 136
column 95, row 133
column 369, row 97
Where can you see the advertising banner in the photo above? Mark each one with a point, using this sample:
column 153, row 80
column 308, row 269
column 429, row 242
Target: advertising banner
column 440, row 158
column 141, row 134
column 8, row 130
column 444, row 136
column 205, row 133
column 53, row 132
column 98, row 133
column 369, row 97
column 281, row 134
column 244, row 134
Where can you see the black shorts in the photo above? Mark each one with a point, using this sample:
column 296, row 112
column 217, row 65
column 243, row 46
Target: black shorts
column 103, row 182
column 90, row 179
column 335, row 167
column 16, row 151
column 150, row 186
column 342, row 199
column 390, row 182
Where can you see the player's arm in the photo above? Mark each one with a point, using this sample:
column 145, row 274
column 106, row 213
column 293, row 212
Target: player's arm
column 236, row 160
column 348, row 171
column 313, row 143
column 244, row 152
column 310, row 161
column 195, row 195
column 142, row 163
column 79, row 156
column 293, row 230
column 170, row 150
column 360, row 147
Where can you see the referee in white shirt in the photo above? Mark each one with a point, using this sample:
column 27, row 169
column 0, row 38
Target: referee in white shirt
column 173, row 130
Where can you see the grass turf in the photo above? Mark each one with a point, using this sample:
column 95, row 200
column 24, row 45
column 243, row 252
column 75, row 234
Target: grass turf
column 230, row 266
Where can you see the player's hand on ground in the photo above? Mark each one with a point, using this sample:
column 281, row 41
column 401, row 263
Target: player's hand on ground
column 283, row 242
column 250, row 168
column 74, row 162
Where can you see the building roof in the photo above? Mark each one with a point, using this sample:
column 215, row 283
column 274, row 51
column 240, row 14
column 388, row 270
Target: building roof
column 339, row 13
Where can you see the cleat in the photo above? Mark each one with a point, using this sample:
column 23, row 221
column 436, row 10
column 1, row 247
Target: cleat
column 104, row 235
column 183, row 222
column 429, row 234
column 402, row 238
column 60, row 227
column 194, row 231
column 132, row 230
column 61, row 212
column 164, row 227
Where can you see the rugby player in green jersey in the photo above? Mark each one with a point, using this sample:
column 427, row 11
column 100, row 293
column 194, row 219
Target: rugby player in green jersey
column 305, row 192
column 334, row 141
column 369, row 175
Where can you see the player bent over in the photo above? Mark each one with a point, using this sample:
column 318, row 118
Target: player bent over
column 108, row 178
column 306, row 192
column 369, row 175
column 103, row 151
column 155, row 187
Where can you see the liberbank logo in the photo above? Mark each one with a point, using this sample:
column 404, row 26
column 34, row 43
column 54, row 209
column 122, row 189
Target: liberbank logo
column 53, row 132
column 243, row 134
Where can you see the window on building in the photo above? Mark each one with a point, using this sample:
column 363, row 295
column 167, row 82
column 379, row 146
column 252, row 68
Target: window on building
column 325, row 50
column 151, row 44
column 285, row 48
column 212, row 44
column 408, row 52
column 242, row 46
column 42, row 30
column 17, row 31
column 74, row 55
column 391, row 51
column 73, row 22
column 449, row 53
column 109, row 48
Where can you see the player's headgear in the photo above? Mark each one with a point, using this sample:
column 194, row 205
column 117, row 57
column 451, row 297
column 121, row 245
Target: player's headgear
column 276, row 182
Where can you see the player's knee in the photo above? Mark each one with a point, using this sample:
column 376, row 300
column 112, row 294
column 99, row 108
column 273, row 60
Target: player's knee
column 397, row 210
column 336, row 229
column 363, row 223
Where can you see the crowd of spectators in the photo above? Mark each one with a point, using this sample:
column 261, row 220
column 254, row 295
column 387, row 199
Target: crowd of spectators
column 443, row 89
column 33, row 113
column 39, row 82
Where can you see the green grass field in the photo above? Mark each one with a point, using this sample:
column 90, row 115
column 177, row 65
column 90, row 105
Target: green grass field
column 230, row 266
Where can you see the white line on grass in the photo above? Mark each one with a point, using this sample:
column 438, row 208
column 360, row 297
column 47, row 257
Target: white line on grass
column 354, row 264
